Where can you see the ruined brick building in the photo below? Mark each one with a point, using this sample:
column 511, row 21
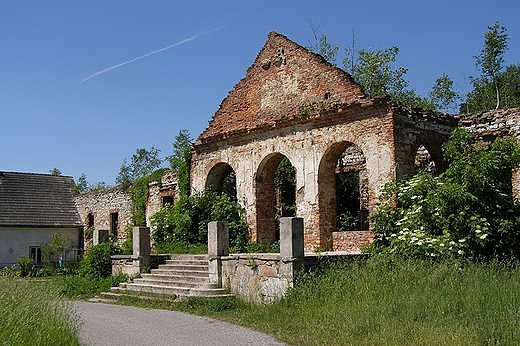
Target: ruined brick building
column 293, row 104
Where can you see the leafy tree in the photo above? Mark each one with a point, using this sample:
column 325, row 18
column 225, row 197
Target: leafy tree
column 373, row 71
column 82, row 184
column 55, row 248
column 186, row 222
column 143, row 163
column 442, row 95
column 491, row 58
column 55, row 171
column 180, row 160
column 496, row 87
column 320, row 45
column 466, row 212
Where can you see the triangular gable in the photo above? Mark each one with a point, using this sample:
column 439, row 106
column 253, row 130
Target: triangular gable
column 284, row 80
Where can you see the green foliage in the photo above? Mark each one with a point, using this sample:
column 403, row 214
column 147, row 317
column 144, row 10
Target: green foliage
column 495, row 87
column 442, row 95
column 98, row 263
column 24, row 264
column 186, row 222
column 139, row 196
column 56, row 247
column 466, row 212
column 285, row 187
column 81, row 185
column 348, row 214
column 88, row 287
column 143, row 163
column 35, row 314
column 180, row 160
column 55, row 171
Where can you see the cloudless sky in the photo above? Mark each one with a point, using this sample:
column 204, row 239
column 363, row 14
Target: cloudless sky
column 83, row 84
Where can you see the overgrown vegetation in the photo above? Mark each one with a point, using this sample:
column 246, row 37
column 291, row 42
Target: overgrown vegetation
column 185, row 224
column 382, row 302
column 466, row 212
column 35, row 315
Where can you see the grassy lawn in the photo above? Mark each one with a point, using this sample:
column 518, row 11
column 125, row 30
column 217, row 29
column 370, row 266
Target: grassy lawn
column 360, row 303
column 34, row 313
column 382, row 303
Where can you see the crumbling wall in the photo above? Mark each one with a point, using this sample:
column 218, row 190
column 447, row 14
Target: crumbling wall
column 101, row 204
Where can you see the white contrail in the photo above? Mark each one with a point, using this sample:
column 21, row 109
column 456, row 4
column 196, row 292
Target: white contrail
column 151, row 53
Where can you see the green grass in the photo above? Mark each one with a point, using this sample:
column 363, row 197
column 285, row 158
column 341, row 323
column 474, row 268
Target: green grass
column 33, row 313
column 385, row 303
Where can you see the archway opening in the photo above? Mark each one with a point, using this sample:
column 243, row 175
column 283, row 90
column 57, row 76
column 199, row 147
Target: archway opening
column 343, row 192
column 423, row 161
column 275, row 189
column 222, row 180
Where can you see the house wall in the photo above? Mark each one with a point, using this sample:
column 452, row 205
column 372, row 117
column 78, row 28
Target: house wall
column 15, row 242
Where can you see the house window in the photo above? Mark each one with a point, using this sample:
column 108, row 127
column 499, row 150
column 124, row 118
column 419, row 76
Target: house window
column 167, row 200
column 35, row 252
column 113, row 223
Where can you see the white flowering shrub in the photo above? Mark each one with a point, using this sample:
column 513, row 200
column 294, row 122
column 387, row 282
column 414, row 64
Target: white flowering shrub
column 466, row 212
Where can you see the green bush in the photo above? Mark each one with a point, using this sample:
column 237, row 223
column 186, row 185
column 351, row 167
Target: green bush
column 98, row 262
column 466, row 212
column 56, row 247
column 25, row 264
column 187, row 221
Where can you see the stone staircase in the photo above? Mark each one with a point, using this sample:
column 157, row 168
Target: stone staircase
column 182, row 277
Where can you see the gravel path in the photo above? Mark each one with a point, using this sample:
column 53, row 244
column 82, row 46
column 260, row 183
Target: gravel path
column 113, row 325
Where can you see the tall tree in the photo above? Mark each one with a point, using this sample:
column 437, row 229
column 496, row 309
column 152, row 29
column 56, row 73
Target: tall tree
column 81, row 185
column 180, row 160
column 373, row 70
column 55, row 171
column 442, row 95
column 320, row 45
column 143, row 163
column 490, row 61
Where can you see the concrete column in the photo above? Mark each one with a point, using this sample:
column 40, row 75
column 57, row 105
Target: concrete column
column 218, row 245
column 141, row 246
column 218, row 238
column 99, row 236
column 291, row 237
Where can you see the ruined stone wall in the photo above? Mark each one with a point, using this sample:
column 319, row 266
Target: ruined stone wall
column 415, row 128
column 486, row 126
column 157, row 192
column 101, row 204
column 305, row 145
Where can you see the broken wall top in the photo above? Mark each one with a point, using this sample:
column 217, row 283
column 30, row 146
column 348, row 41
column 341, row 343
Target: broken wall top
column 285, row 82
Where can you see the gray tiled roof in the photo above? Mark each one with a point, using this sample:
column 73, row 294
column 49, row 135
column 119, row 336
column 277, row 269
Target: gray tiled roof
column 37, row 200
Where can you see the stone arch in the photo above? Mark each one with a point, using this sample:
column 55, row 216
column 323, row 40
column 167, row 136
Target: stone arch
column 266, row 198
column 340, row 158
column 221, row 179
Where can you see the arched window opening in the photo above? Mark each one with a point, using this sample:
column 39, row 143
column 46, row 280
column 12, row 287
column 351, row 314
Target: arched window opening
column 275, row 189
column 423, row 161
column 351, row 191
column 222, row 180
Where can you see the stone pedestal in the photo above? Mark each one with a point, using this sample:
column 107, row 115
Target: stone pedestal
column 141, row 246
column 291, row 237
column 218, row 245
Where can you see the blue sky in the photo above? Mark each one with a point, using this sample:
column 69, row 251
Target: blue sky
column 83, row 84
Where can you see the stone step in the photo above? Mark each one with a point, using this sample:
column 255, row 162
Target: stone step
column 175, row 277
column 183, row 267
column 180, row 292
column 189, row 257
column 176, row 283
column 178, row 272
column 186, row 262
